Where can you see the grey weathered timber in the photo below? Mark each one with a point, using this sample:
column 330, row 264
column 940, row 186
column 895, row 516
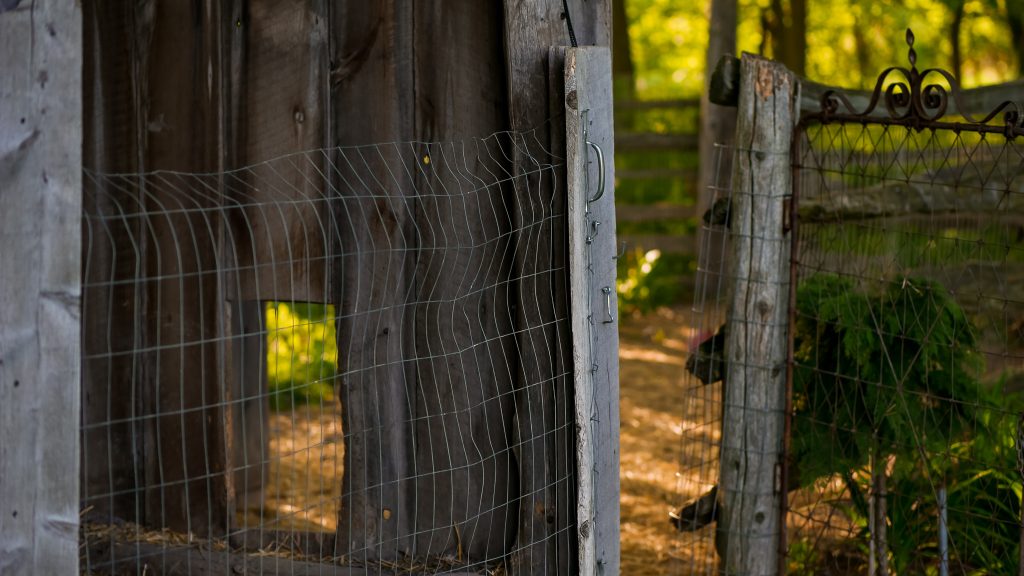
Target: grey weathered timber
column 545, row 538
column 185, row 322
column 423, row 304
column 283, row 238
column 977, row 102
column 592, row 250
column 250, row 411
column 370, row 53
column 924, row 195
column 111, row 377
column 754, row 403
column 40, row 235
column 465, row 348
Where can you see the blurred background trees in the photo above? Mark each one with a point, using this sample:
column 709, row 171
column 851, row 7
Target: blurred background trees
column 664, row 50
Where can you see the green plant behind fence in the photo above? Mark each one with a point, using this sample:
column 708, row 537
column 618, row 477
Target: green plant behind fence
column 302, row 354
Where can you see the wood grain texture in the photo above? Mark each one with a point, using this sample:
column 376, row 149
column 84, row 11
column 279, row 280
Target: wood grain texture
column 185, row 321
column 465, row 347
column 589, row 118
column 40, row 291
column 977, row 102
column 111, row 376
column 283, row 235
column 424, row 331
column 754, row 402
column 371, row 46
column 545, row 542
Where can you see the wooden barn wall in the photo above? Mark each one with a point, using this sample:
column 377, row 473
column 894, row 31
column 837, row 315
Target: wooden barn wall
column 545, row 423
column 111, row 443
column 40, row 208
column 206, row 87
column 153, row 99
column 443, row 70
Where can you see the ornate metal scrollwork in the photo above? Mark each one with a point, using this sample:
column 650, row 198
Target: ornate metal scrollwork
column 912, row 102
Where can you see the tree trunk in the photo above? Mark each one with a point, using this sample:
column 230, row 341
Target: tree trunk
column 954, row 40
column 717, row 126
column 1015, row 20
column 788, row 29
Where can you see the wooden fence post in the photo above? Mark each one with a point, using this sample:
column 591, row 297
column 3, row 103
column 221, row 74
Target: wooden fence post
column 595, row 339
column 40, row 286
column 754, row 394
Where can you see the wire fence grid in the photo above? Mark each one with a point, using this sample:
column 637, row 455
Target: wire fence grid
column 907, row 364
column 702, row 395
column 908, row 352
column 323, row 358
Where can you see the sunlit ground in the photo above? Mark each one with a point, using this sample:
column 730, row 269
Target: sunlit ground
column 669, row 451
column 668, row 444
column 304, row 478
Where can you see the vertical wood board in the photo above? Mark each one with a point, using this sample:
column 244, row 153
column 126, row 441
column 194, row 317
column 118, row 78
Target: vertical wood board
column 370, row 47
column 40, row 293
column 531, row 29
column 588, row 107
column 754, row 394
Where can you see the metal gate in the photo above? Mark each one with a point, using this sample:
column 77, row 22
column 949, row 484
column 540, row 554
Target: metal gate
column 905, row 343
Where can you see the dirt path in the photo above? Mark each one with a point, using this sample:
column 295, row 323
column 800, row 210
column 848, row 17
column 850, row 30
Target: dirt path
column 659, row 410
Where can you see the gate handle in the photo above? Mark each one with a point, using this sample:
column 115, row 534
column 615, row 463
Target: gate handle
column 600, row 171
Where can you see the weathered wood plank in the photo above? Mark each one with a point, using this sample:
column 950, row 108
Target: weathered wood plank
column 466, row 497
column 977, row 102
column 749, row 524
column 371, row 46
column 593, row 299
column 653, row 212
column 638, row 141
column 250, row 411
column 111, row 302
column 40, row 292
column 282, row 240
column 545, row 542
column 186, row 370
column 900, row 198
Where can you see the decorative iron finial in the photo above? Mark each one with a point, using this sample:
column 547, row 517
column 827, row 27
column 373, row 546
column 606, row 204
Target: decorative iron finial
column 910, row 101
column 912, row 54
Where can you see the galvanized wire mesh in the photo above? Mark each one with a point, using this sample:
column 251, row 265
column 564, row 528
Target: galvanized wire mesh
column 701, row 398
column 319, row 360
column 908, row 352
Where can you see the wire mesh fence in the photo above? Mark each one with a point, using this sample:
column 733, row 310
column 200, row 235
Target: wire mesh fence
column 897, row 249
column 702, row 400
column 908, row 352
column 319, row 360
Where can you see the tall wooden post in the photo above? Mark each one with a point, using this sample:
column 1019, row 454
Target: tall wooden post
column 752, row 430
column 40, row 293
column 595, row 338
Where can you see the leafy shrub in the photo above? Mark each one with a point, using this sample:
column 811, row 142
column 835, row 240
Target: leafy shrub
column 897, row 374
column 302, row 354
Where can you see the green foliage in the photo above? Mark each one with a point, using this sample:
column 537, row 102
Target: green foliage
column 887, row 372
column 648, row 279
column 895, row 373
column 302, row 354
column 848, row 43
